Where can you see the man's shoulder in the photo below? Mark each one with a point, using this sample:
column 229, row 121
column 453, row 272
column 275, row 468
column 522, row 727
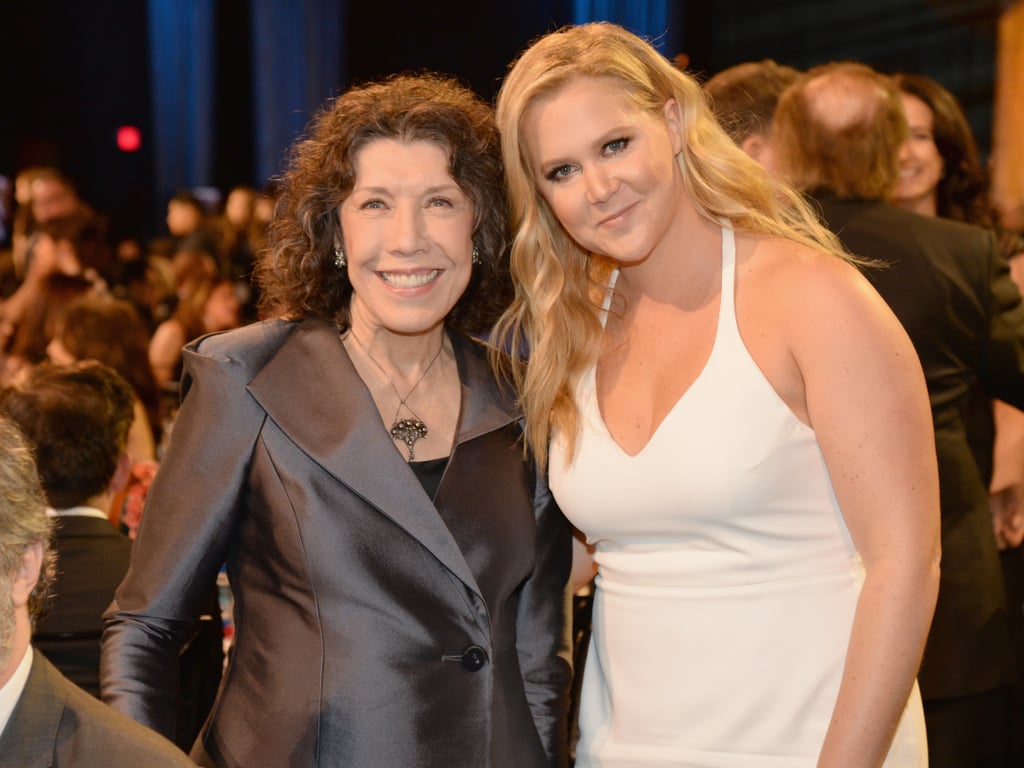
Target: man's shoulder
column 845, row 213
column 877, row 230
column 91, row 728
column 58, row 723
column 86, row 526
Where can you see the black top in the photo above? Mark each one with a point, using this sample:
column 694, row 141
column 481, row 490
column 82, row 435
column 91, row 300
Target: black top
column 429, row 473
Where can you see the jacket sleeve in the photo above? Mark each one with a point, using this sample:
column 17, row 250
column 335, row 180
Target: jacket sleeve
column 544, row 632
column 190, row 513
column 1003, row 363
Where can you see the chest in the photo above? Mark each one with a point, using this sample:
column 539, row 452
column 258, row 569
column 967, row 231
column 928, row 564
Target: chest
column 648, row 364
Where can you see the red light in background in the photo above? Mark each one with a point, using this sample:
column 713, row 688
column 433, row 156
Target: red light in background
column 129, row 138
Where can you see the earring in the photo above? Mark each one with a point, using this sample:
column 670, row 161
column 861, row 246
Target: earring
column 476, row 255
column 339, row 258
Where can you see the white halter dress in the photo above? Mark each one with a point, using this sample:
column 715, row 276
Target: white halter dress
column 727, row 578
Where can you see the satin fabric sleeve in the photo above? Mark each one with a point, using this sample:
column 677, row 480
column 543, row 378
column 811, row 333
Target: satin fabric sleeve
column 190, row 513
column 544, row 631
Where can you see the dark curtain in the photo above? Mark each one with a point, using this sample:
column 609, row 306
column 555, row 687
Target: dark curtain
column 297, row 63
column 952, row 41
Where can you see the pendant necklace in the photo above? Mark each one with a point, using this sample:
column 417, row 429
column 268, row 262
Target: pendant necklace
column 406, row 430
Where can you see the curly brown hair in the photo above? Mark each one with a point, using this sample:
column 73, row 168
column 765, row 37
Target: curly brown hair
column 296, row 271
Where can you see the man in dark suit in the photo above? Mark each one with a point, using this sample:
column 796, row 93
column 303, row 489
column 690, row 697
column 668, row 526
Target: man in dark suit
column 838, row 131
column 45, row 720
column 77, row 418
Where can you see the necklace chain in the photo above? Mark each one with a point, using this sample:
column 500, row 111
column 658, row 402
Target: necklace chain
column 406, row 430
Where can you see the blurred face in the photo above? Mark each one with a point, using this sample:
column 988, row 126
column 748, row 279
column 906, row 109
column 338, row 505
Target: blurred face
column 238, row 208
column 921, row 164
column 49, row 256
column 51, row 200
column 606, row 168
column 182, row 218
column 408, row 238
column 222, row 309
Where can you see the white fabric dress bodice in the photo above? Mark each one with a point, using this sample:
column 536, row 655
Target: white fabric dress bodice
column 727, row 578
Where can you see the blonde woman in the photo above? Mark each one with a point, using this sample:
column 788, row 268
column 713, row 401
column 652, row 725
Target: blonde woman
column 730, row 414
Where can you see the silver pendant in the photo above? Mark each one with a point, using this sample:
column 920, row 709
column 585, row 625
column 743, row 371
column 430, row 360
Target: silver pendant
column 409, row 431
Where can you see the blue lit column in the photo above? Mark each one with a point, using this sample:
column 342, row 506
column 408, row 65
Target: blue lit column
column 297, row 57
column 181, row 36
column 660, row 21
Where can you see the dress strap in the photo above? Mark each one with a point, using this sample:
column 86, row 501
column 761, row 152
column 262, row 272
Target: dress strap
column 728, row 329
column 608, row 294
column 728, row 269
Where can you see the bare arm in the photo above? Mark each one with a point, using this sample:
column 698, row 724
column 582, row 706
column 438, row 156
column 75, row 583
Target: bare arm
column 583, row 566
column 867, row 402
column 141, row 444
column 1007, row 487
column 165, row 350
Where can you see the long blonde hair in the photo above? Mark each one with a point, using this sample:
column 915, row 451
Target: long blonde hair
column 554, row 317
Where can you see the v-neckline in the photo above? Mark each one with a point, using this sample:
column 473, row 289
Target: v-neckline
column 727, row 268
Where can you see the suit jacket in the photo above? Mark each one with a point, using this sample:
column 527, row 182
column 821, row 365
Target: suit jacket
column 56, row 724
column 365, row 635
column 952, row 291
column 92, row 558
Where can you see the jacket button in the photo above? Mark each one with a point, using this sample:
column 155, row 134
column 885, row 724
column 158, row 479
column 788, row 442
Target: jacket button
column 474, row 657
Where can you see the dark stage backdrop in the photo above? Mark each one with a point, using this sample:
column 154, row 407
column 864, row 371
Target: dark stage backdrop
column 220, row 88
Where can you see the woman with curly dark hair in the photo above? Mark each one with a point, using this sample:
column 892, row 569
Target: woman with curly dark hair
column 398, row 566
column 940, row 174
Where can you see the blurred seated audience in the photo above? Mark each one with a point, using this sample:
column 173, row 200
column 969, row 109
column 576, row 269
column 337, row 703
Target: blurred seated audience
column 241, row 238
column 100, row 327
column 75, row 245
column 211, row 305
column 77, row 417
column 46, row 720
column 38, row 322
column 239, row 231
column 188, row 226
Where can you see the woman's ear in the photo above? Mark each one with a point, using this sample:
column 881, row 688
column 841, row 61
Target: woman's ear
column 674, row 122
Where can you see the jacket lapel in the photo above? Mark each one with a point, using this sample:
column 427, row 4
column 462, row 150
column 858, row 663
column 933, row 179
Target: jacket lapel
column 485, row 407
column 312, row 392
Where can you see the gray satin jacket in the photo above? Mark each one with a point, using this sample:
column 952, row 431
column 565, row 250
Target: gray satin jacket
column 365, row 636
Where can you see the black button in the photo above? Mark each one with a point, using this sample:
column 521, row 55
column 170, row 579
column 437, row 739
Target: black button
column 474, row 657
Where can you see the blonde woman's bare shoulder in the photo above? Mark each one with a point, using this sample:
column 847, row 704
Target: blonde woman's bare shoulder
column 786, row 269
